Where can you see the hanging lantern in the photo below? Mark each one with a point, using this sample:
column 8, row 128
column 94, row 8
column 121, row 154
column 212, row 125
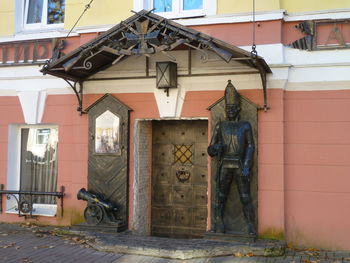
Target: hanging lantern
column 166, row 75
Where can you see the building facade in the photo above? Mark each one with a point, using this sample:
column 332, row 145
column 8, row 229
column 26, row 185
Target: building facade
column 302, row 141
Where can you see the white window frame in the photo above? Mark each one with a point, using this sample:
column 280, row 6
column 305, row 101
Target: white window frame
column 43, row 24
column 209, row 8
column 14, row 171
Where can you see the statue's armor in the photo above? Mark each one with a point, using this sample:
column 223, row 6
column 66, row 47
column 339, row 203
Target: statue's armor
column 234, row 142
column 237, row 141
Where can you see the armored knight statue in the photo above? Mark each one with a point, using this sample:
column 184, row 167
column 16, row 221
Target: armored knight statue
column 232, row 144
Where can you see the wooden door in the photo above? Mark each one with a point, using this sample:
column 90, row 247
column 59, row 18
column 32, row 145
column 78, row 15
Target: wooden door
column 108, row 152
column 179, row 179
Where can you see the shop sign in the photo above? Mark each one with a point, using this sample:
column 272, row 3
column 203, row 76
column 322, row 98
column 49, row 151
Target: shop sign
column 331, row 34
column 25, row 52
column 323, row 34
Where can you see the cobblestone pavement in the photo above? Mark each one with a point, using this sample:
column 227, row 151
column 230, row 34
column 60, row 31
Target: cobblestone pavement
column 32, row 244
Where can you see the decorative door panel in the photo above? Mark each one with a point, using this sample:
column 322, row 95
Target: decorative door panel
column 199, row 194
column 161, row 175
column 179, row 179
column 162, row 196
column 183, row 217
column 108, row 152
column 163, row 216
column 182, row 195
column 201, row 157
column 200, row 175
column 200, row 217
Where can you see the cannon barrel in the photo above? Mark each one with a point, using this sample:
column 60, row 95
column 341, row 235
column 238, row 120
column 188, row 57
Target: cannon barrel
column 92, row 198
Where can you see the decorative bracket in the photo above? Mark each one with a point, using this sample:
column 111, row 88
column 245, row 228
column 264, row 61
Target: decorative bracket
column 78, row 94
column 262, row 73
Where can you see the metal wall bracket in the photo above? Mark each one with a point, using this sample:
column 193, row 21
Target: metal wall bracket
column 78, row 93
column 262, row 73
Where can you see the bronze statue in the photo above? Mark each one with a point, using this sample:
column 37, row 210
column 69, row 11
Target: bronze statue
column 233, row 145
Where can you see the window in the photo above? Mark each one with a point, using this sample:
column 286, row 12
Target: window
column 107, row 138
column 38, row 170
column 178, row 8
column 43, row 13
column 33, row 166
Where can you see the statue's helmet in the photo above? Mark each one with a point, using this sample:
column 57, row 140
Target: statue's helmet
column 231, row 95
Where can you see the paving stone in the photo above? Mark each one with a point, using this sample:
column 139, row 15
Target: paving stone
column 66, row 251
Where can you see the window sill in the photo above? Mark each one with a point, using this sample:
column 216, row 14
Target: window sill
column 37, row 34
column 183, row 15
column 39, row 210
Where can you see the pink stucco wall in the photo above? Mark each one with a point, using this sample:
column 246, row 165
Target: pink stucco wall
column 303, row 157
column 317, row 168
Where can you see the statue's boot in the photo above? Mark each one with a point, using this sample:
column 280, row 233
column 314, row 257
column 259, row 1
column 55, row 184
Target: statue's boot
column 249, row 215
column 220, row 226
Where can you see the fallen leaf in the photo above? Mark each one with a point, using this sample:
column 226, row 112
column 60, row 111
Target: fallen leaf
column 250, row 254
column 9, row 245
column 238, row 254
column 27, row 260
column 312, row 249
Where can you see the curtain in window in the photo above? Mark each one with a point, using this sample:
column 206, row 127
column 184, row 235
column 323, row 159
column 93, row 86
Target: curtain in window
column 35, row 11
column 39, row 162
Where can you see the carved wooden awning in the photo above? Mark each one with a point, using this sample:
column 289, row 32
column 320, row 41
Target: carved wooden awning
column 145, row 34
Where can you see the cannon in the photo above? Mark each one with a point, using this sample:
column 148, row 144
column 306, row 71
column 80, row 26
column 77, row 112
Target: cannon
column 98, row 210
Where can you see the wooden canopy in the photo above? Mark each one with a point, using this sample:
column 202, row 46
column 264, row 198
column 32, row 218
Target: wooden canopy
column 144, row 33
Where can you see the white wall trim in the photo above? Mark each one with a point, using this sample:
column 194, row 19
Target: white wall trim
column 38, row 210
column 13, row 159
column 30, row 35
column 315, row 15
column 33, row 105
column 209, row 8
column 232, row 18
column 169, row 106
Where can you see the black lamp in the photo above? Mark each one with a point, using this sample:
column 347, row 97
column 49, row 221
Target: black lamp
column 166, row 75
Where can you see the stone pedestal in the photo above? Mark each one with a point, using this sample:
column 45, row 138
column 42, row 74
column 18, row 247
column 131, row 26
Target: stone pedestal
column 111, row 228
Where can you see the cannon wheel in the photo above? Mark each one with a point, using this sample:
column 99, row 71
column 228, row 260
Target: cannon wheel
column 25, row 206
column 93, row 214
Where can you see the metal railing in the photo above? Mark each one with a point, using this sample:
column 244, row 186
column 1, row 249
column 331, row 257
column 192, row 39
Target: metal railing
column 25, row 199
